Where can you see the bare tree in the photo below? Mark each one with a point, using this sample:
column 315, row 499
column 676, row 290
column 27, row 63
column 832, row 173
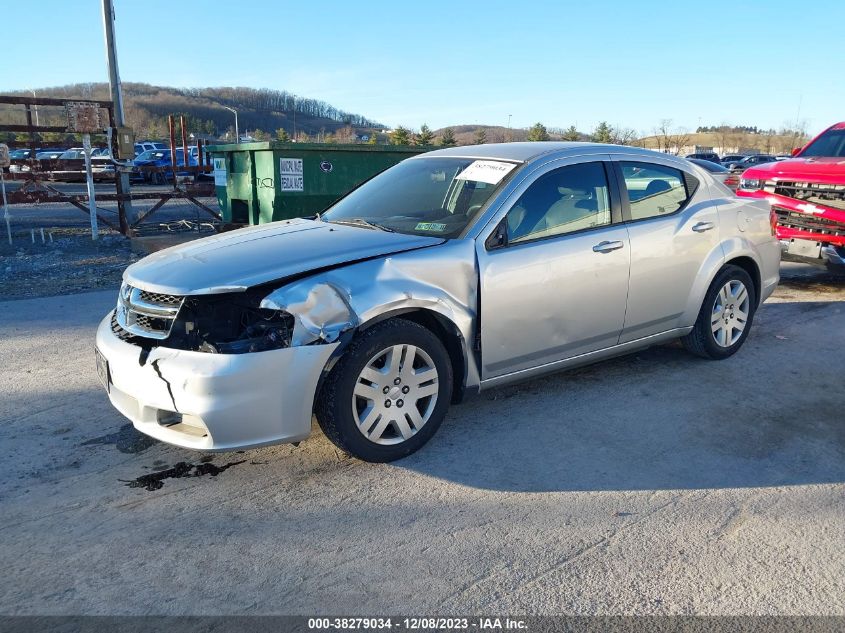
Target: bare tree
column 622, row 135
column 681, row 139
column 723, row 137
column 664, row 134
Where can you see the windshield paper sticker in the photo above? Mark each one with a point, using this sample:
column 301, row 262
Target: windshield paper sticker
column 290, row 170
column 489, row 171
column 430, row 226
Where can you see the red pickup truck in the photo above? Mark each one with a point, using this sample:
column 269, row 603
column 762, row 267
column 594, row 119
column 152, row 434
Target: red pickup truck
column 807, row 194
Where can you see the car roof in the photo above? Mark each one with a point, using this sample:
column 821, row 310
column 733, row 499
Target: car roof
column 529, row 151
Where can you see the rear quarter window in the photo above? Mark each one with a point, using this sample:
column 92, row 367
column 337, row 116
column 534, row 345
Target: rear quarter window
column 655, row 190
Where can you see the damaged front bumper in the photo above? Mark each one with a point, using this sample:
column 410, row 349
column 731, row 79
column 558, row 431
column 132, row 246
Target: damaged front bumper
column 214, row 402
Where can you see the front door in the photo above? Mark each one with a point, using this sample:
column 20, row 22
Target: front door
column 558, row 285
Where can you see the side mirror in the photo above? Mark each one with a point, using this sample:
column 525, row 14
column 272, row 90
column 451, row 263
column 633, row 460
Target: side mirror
column 795, row 151
column 499, row 237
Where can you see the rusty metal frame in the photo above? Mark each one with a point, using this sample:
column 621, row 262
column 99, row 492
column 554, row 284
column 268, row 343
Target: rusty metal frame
column 48, row 193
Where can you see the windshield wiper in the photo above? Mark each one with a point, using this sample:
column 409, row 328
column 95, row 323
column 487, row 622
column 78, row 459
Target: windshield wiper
column 362, row 222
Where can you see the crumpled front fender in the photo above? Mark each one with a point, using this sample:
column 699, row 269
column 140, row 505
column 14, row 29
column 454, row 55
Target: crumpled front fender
column 441, row 279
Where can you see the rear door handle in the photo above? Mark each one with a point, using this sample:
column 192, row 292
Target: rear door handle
column 703, row 226
column 606, row 247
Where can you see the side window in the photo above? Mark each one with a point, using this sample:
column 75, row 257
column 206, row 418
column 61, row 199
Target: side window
column 654, row 190
column 563, row 201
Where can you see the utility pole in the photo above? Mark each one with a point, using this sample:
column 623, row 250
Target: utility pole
column 121, row 181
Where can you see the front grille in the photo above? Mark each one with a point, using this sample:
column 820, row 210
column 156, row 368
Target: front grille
column 814, row 192
column 146, row 314
column 806, row 222
column 154, row 297
column 119, row 332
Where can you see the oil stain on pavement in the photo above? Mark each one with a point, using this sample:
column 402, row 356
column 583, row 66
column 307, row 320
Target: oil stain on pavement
column 155, row 481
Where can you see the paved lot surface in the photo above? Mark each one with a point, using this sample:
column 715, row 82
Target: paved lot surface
column 656, row 483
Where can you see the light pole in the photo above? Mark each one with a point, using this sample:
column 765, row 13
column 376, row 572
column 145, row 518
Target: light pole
column 237, row 133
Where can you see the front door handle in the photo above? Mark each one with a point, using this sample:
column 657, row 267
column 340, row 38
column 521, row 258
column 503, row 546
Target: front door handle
column 606, row 247
column 703, row 226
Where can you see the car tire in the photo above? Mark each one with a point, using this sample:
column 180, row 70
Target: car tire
column 373, row 405
column 726, row 315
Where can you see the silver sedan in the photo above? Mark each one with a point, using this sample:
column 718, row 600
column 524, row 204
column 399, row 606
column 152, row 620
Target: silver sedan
column 457, row 270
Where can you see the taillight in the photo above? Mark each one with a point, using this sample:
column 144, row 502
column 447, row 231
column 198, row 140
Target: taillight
column 732, row 181
column 773, row 222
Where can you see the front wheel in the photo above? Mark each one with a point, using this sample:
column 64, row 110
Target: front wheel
column 388, row 393
column 725, row 317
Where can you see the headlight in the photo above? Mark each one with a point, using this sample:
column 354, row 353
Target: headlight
column 750, row 184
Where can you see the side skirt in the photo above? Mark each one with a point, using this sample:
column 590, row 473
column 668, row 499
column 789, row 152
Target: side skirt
column 584, row 359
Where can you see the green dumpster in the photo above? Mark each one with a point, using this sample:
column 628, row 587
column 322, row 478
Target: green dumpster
column 264, row 182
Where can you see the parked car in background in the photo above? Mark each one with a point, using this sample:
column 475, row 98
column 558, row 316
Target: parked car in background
column 709, row 156
column 749, row 161
column 19, row 158
column 807, row 194
column 146, row 146
column 18, row 154
column 732, row 158
column 73, row 153
column 157, row 158
column 49, row 154
column 431, row 279
column 720, row 173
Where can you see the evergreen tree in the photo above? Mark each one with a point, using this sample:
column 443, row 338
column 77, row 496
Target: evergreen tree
column 480, row 136
column 400, row 136
column 571, row 134
column 603, row 133
column 426, row 136
column 447, row 138
column 373, row 140
column 538, row 132
column 282, row 135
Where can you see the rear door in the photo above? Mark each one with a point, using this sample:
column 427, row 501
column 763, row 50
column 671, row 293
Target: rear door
column 673, row 229
column 557, row 287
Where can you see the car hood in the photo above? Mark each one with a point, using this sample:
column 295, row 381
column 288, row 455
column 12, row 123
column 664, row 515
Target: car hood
column 236, row 260
column 829, row 170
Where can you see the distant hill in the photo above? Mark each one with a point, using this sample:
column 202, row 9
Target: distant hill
column 468, row 134
column 147, row 108
column 727, row 142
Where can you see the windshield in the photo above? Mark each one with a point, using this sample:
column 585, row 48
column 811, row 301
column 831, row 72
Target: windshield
column 153, row 154
column 436, row 196
column 831, row 143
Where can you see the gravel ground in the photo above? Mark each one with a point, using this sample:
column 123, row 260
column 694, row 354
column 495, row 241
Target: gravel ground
column 52, row 251
column 653, row 484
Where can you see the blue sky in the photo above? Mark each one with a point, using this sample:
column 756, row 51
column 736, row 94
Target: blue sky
column 631, row 63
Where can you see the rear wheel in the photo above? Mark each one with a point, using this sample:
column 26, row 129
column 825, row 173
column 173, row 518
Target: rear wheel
column 389, row 392
column 725, row 317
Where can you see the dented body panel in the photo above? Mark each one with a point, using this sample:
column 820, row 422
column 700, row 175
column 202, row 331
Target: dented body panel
column 227, row 401
column 441, row 280
column 237, row 260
